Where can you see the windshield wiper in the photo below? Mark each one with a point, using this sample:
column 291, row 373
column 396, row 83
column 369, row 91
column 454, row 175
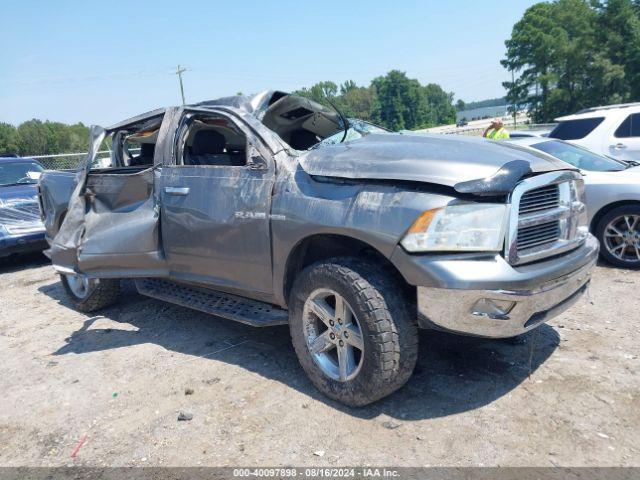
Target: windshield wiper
column 345, row 122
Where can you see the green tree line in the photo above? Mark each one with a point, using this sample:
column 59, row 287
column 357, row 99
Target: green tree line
column 491, row 102
column 394, row 101
column 35, row 137
column 573, row 54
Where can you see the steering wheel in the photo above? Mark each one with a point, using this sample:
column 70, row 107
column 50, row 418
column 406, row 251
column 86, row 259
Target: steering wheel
column 25, row 180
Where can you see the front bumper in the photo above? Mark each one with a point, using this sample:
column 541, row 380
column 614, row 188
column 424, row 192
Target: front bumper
column 31, row 242
column 451, row 288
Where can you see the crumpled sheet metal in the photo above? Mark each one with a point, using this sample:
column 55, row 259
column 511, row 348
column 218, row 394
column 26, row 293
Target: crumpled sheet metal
column 500, row 183
column 253, row 104
column 64, row 248
column 138, row 118
column 121, row 223
column 433, row 159
column 20, row 215
column 112, row 221
column 56, row 187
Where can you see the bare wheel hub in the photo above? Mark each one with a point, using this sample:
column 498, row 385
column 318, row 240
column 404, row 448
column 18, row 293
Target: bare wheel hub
column 333, row 335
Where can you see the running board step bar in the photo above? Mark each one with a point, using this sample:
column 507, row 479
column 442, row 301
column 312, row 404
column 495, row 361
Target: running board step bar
column 233, row 307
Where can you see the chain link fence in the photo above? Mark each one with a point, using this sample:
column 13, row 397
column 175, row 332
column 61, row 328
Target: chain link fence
column 73, row 161
column 66, row 161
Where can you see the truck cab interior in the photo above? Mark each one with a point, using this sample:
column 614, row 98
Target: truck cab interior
column 300, row 122
column 211, row 141
column 146, row 148
column 131, row 147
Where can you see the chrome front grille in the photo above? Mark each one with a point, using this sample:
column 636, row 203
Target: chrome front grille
column 547, row 217
column 34, row 227
column 536, row 235
column 540, row 199
column 21, row 216
column 537, row 202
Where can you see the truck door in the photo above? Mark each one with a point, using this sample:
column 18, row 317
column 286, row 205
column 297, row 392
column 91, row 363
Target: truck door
column 111, row 228
column 216, row 201
column 624, row 143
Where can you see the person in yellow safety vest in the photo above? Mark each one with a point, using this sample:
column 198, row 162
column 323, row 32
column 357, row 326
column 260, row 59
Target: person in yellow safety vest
column 496, row 131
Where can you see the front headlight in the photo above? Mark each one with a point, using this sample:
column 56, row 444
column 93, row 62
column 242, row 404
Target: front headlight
column 579, row 207
column 477, row 227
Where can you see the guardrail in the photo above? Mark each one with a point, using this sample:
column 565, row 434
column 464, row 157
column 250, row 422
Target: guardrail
column 478, row 131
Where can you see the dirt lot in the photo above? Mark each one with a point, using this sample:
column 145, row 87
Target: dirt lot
column 120, row 378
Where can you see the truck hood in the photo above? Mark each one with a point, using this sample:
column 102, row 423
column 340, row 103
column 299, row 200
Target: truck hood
column 436, row 159
column 18, row 193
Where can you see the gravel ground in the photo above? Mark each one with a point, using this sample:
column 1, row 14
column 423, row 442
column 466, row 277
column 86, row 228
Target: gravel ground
column 119, row 380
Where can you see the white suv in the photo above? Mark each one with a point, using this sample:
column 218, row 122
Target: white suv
column 613, row 130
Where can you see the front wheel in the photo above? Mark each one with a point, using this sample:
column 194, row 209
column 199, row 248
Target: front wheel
column 88, row 295
column 619, row 234
column 354, row 330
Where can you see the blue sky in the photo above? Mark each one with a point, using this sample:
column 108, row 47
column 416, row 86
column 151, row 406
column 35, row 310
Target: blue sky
column 100, row 62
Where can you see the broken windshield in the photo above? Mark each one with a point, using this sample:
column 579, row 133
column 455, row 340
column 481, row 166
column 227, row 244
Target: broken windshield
column 357, row 129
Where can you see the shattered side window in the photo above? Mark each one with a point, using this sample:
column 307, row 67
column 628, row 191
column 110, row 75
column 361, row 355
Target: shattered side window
column 131, row 146
column 211, row 141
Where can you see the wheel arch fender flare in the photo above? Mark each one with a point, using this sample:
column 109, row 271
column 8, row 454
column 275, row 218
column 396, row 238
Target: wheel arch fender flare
column 324, row 245
column 595, row 220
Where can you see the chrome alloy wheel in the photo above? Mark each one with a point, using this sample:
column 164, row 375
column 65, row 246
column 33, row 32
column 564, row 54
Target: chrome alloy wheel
column 622, row 238
column 80, row 285
column 333, row 334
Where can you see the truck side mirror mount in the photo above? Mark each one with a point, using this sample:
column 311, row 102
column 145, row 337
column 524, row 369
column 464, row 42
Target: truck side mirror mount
column 255, row 161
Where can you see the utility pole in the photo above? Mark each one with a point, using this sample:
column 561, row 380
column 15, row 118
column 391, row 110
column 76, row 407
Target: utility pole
column 536, row 109
column 513, row 86
column 179, row 72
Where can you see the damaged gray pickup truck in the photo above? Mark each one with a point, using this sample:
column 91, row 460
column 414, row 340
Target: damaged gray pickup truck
column 273, row 209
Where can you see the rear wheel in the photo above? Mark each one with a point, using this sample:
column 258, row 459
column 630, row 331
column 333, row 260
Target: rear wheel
column 88, row 294
column 619, row 234
column 354, row 330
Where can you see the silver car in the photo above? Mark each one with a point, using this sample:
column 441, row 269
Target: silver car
column 612, row 197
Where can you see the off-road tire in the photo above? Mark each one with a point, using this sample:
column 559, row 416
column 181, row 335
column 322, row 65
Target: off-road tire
column 387, row 317
column 600, row 230
column 103, row 294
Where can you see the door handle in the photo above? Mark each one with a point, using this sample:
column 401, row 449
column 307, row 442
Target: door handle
column 178, row 191
column 618, row 146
